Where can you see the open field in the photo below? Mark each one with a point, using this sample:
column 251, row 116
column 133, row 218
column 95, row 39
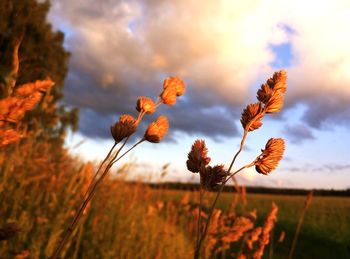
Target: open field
column 135, row 221
column 325, row 232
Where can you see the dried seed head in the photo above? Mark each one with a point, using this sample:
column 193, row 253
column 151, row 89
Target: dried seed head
column 264, row 93
column 168, row 96
column 123, row 128
column 145, row 104
column 240, row 226
column 251, row 117
column 265, row 234
column 9, row 136
column 175, row 83
column 211, row 177
column 197, row 157
column 279, row 81
column 275, row 103
column 271, row 156
column 157, row 130
column 271, row 93
column 308, row 200
column 29, row 88
column 253, row 237
column 241, row 256
column 31, row 101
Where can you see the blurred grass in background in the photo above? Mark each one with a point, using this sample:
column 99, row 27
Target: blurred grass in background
column 132, row 220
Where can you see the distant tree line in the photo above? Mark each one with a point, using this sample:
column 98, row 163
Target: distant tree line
column 253, row 189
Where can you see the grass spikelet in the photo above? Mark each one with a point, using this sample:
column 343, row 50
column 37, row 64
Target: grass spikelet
column 198, row 156
column 253, row 237
column 251, row 117
column 124, row 128
column 145, row 105
column 9, row 136
column 175, row 83
column 264, row 238
column 157, row 130
column 270, row 156
column 37, row 86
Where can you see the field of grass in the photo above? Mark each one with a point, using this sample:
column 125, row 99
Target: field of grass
column 132, row 220
column 325, row 232
column 47, row 196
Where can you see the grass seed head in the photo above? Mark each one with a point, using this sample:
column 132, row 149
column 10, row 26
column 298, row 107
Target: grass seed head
column 271, row 93
column 198, row 156
column 211, row 177
column 145, row 104
column 251, row 117
column 271, row 156
column 265, row 233
column 253, row 237
column 264, row 93
column 175, row 83
column 275, row 103
column 308, row 200
column 123, row 128
column 279, row 81
column 240, row 226
column 29, row 88
column 9, row 136
column 168, row 96
column 157, row 130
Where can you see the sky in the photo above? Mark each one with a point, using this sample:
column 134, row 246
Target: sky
column 224, row 51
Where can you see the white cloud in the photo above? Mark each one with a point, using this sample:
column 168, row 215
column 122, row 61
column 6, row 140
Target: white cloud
column 224, row 45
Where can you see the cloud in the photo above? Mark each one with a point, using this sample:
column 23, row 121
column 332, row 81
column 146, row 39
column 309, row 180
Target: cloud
column 298, row 133
column 325, row 168
column 123, row 49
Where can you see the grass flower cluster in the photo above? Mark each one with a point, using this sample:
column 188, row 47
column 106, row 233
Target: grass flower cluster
column 270, row 98
column 41, row 196
column 121, row 131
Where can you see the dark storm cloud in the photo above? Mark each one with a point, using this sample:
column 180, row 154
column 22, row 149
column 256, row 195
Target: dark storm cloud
column 298, row 133
column 95, row 119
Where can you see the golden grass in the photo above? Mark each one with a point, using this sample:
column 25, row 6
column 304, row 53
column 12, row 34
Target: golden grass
column 121, row 131
column 270, row 97
column 43, row 189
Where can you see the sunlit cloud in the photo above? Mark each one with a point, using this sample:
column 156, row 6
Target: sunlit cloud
column 221, row 49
